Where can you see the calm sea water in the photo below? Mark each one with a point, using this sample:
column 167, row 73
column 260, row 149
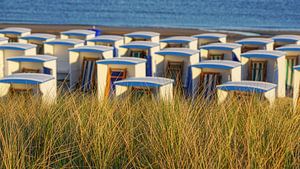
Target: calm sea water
column 259, row 14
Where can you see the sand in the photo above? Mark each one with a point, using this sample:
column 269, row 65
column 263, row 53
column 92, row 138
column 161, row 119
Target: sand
column 233, row 35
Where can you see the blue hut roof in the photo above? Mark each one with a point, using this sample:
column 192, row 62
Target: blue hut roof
column 27, row 78
column 178, row 39
column 34, row 58
column 94, row 49
column 16, row 46
column 217, row 64
column 297, row 67
column 263, row 54
column 255, row 41
column 122, row 61
column 292, row 47
column 14, row 30
column 78, row 32
column 221, row 46
column 142, row 34
column 39, row 36
column 185, row 52
column 107, row 38
column 210, row 36
column 145, row 82
column 140, row 45
column 247, row 86
column 66, row 42
column 286, row 38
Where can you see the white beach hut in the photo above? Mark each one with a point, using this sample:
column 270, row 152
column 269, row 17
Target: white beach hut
column 80, row 34
column 3, row 40
column 179, row 42
column 249, row 44
column 38, row 39
column 83, row 68
column 9, row 50
column 208, row 38
column 246, row 88
column 60, row 49
column 142, row 36
column 144, row 50
column 14, row 33
column 115, row 69
column 292, row 59
column 296, row 95
column 221, row 51
column 158, row 87
column 32, row 64
column 176, row 63
column 114, row 41
column 282, row 40
column 37, row 84
column 266, row 66
column 208, row 74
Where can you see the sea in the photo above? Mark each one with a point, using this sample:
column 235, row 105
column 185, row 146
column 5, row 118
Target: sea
column 207, row 14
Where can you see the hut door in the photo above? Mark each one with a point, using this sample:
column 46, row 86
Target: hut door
column 112, row 76
column 26, row 70
column 258, row 70
column 290, row 63
column 174, row 71
column 39, row 48
column 216, row 57
column 139, row 54
column 209, row 82
column 88, row 74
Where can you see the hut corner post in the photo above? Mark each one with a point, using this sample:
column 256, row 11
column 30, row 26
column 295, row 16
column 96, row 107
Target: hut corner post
column 74, row 69
column 222, row 95
column 296, row 91
column 121, row 91
column 49, row 92
column 166, row 93
column 270, row 96
column 4, row 89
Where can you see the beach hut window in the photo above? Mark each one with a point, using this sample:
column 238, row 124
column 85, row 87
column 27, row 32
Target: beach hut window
column 114, row 75
column 88, row 74
column 140, row 39
column 139, row 54
column 27, row 70
column 290, row 63
column 258, row 70
column 138, row 92
column 104, row 44
column 216, row 57
column 176, row 45
column 249, row 48
column 208, row 84
column 175, row 71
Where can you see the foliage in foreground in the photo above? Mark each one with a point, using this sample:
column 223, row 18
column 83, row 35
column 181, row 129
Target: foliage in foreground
column 81, row 132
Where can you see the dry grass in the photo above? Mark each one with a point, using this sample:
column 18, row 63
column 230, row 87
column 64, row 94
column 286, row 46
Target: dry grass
column 80, row 132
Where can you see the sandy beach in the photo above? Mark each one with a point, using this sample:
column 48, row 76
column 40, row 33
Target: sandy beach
column 233, row 35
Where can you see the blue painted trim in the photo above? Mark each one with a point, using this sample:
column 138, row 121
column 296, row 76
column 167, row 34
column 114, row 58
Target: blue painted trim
column 253, row 43
column 175, row 41
column 117, row 63
column 285, row 40
column 35, row 38
column 28, row 60
column 209, row 37
column 217, row 48
column 11, row 32
column 174, row 53
column 288, row 49
column 137, row 46
column 140, row 36
column 138, row 84
column 297, row 67
column 62, row 43
column 21, row 81
column 213, row 66
column 149, row 65
column 87, row 50
column 241, row 88
column 258, row 55
column 102, row 40
column 13, row 48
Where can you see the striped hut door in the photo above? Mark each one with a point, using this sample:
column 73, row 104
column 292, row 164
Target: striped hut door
column 209, row 82
column 290, row 63
column 174, row 71
column 114, row 75
column 88, row 74
column 258, row 70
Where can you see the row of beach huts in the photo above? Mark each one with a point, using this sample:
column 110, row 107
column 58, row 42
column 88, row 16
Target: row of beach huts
column 141, row 62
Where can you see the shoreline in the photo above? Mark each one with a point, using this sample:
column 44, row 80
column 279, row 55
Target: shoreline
column 233, row 34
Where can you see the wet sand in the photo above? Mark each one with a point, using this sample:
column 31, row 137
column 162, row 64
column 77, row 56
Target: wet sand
column 233, row 35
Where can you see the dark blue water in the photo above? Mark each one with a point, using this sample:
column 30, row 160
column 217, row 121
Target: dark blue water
column 259, row 14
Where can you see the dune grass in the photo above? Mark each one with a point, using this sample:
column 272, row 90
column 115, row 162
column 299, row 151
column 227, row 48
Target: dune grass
column 80, row 132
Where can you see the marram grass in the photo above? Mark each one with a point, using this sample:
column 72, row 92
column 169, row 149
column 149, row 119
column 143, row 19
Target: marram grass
column 80, row 132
